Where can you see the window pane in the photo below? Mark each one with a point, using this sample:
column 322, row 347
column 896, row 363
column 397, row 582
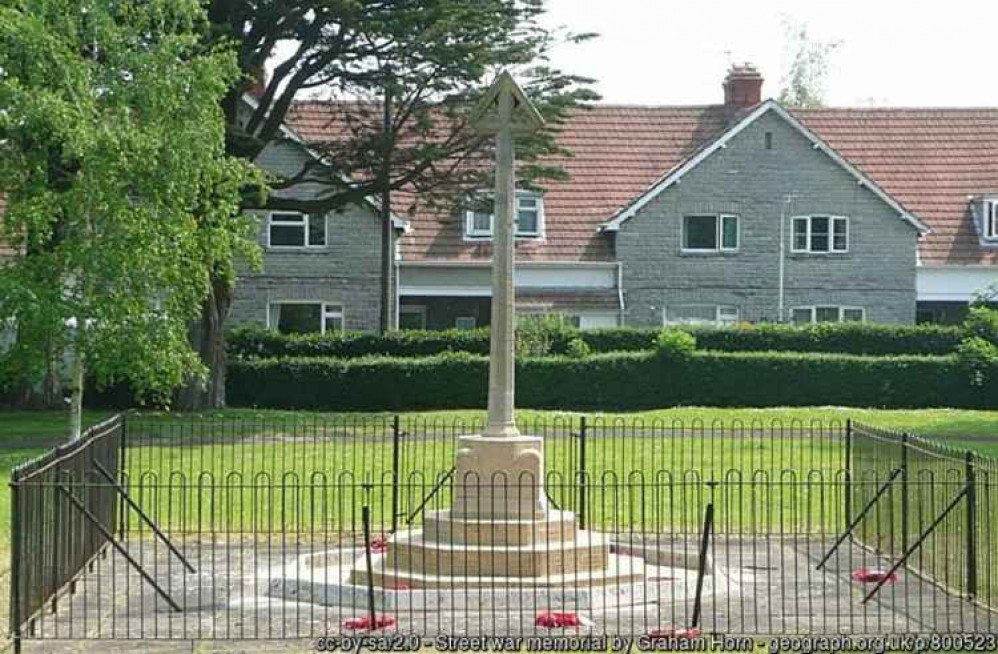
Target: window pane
column 800, row 233
column 287, row 218
column 700, row 232
column 481, row 222
column 334, row 323
column 465, row 322
column 527, row 201
column 727, row 315
column 729, row 236
column 819, row 234
column 852, row 315
column 826, row 314
column 800, row 316
column 691, row 314
column 526, row 221
column 299, row 318
column 316, row 229
column 840, row 240
column 290, row 235
column 414, row 318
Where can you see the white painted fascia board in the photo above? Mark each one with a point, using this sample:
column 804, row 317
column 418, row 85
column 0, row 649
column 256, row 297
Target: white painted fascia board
column 677, row 173
column 397, row 223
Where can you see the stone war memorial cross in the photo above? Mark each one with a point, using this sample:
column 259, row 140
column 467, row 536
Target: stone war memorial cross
column 500, row 533
column 502, row 455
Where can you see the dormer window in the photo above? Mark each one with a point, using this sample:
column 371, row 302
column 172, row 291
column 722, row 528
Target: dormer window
column 990, row 222
column 479, row 224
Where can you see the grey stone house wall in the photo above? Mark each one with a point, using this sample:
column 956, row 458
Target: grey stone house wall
column 346, row 271
column 749, row 180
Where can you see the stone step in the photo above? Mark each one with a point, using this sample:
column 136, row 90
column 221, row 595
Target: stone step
column 618, row 570
column 444, row 527
column 411, row 552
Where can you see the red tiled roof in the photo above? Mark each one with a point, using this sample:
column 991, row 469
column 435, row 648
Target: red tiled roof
column 929, row 160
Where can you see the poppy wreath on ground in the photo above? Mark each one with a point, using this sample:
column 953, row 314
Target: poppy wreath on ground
column 680, row 633
column 552, row 620
column 379, row 545
column 873, row 576
column 364, row 624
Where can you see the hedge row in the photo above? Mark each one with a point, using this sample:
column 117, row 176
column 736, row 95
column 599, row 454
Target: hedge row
column 612, row 382
column 847, row 338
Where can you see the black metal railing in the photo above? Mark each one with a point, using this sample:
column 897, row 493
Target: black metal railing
column 241, row 529
column 58, row 510
column 938, row 513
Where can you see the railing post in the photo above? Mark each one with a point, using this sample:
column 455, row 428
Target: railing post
column 122, row 475
column 396, row 471
column 582, row 473
column 971, row 528
column 848, row 475
column 15, row 561
column 905, row 497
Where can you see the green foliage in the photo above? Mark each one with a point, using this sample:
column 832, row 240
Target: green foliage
column 552, row 337
column 621, row 381
column 538, row 336
column 112, row 158
column 578, row 349
column 982, row 322
column 675, row 345
column 977, row 356
column 255, row 341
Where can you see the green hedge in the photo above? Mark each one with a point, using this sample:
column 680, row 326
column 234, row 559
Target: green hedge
column 863, row 339
column 612, row 382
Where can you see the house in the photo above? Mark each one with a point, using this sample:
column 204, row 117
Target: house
column 740, row 211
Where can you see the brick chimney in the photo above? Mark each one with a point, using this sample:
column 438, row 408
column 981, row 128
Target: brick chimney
column 742, row 88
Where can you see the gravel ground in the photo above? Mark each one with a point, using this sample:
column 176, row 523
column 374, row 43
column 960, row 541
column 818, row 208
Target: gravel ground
column 773, row 589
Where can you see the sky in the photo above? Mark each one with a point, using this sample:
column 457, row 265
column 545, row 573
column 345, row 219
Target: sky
column 890, row 53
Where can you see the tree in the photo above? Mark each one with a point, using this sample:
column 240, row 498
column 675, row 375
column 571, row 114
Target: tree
column 425, row 59
column 803, row 83
column 118, row 188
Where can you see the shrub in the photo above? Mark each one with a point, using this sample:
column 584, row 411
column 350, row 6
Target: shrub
column 982, row 322
column 538, row 336
column 675, row 345
column 617, row 381
column 577, row 349
column 977, row 356
column 547, row 336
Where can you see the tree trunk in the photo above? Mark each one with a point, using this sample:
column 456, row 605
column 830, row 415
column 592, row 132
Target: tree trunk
column 76, row 401
column 209, row 336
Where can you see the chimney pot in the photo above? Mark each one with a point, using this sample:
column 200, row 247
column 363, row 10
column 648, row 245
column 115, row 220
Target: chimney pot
column 742, row 88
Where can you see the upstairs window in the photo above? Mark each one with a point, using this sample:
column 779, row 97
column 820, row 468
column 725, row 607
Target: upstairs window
column 290, row 229
column 820, row 234
column 816, row 314
column 710, row 233
column 991, row 219
column 529, row 221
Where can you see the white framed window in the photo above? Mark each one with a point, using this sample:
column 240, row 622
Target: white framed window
column 701, row 314
column 820, row 234
column 826, row 313
column 304, row 317
column 465, row 322
column 529, row 222
column 292, row 229
column 710, row 233
column 412, row 316
column 990, row 226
